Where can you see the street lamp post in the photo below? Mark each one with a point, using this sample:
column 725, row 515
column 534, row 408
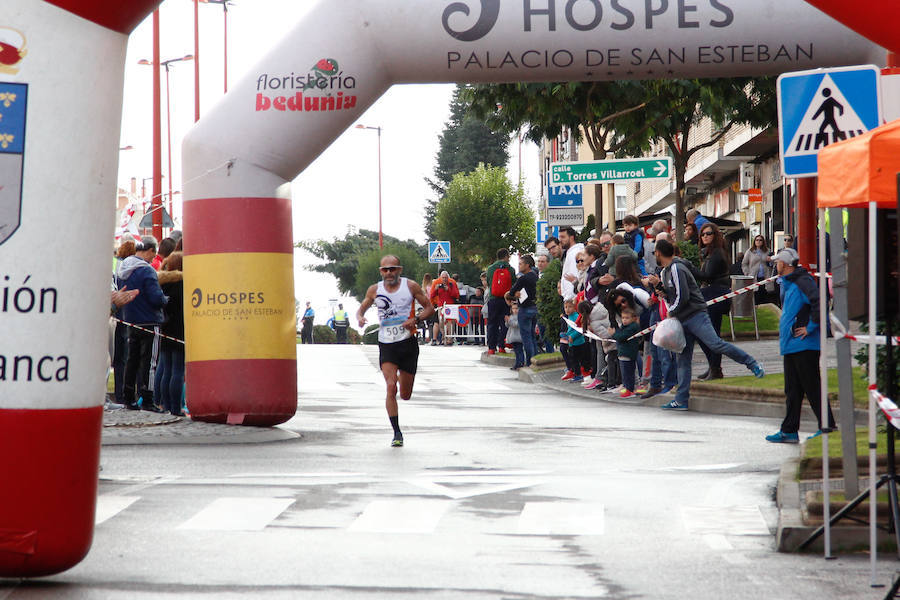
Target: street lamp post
column 224, row 4
column 380, row 235
column 156, row 201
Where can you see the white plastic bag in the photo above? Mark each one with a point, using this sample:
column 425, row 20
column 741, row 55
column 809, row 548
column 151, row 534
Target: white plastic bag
column 669, row 335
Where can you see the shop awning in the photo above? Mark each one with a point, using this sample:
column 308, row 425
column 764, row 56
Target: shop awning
column 860, row 170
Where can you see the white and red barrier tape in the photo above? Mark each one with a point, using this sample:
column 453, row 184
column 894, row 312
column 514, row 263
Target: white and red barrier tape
column 888, row 407
column 589, row 334
column 147, row 330
column 722, row 298
column 841, row 332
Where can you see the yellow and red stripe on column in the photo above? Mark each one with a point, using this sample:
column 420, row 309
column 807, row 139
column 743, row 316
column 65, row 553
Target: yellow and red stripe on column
column 240, row 325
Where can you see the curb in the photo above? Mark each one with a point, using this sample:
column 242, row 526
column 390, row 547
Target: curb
column 138, row 428
column 792, row 531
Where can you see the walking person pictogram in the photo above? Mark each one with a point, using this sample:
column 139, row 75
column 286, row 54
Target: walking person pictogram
column 826, row 109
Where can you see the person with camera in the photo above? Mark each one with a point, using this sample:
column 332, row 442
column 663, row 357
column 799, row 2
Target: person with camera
column 444, row 291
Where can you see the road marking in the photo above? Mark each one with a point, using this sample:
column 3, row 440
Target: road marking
column 110, row 506
column 483, row 386
column 717, row 541
column 238, row 514
column 465, row 484
column 400, row 516
column 724, row 520
column 561, row 518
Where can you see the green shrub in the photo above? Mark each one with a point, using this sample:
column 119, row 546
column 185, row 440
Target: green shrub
column 322, row 334
column 690, row 252
column 549, row 302
column 370, row 335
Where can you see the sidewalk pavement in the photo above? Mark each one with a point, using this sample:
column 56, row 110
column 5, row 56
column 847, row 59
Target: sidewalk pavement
column 139, row 427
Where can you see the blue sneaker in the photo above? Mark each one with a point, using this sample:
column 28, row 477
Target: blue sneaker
column 666, row 390
column 783, row 438
column 577, row 379
column 673, row 405
column 815, row 435
column 758, row 370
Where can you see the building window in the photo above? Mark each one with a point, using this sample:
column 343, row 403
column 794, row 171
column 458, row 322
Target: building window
column 621, row 201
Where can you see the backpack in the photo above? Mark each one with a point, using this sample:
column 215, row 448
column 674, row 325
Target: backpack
column 501, row 282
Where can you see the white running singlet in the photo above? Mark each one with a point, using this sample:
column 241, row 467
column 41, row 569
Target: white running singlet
column 393, row 309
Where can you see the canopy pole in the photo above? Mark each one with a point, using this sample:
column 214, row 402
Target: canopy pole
column 823, row 385
column 873, row 375
column 805, row 241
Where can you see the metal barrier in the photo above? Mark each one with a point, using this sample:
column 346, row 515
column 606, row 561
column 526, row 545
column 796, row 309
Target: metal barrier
column 467, row 321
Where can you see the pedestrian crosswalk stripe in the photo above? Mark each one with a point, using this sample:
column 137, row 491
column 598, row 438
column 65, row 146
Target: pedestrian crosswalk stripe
column 109, row 506
column 561, row 518
column 238, row 514
column 724, row 520
column 401, row 516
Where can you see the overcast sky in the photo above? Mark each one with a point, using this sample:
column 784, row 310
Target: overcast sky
column 340, row 188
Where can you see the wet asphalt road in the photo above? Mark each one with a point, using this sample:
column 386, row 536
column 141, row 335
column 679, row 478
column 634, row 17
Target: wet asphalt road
column 504, row 490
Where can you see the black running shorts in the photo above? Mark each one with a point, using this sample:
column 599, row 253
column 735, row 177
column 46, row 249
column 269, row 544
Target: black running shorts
column 404, row 354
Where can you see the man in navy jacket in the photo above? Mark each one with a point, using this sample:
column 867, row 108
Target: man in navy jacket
column 799, row 344
column 145, row 311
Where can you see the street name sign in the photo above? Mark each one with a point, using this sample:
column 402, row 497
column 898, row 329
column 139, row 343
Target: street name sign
column 438, row 252
column 600, row 171
column 821, row 107
column 566, row 217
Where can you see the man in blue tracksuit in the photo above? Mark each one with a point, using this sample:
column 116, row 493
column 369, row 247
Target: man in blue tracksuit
column 799, row 342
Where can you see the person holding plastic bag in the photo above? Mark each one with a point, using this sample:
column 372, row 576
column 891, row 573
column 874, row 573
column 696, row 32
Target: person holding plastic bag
column 677, row 286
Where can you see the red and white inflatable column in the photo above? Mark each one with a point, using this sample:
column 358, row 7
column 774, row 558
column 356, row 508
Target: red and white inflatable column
column 61, row 78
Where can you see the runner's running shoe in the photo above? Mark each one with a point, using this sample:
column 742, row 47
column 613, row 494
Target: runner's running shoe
column 397, row 441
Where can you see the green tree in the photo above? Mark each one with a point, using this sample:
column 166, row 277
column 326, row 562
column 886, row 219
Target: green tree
column 465, row 142
column 414, row 266
column 608, row 115
column 342, row 255
column 622, row 118
column 679, row 105
column 483, row 212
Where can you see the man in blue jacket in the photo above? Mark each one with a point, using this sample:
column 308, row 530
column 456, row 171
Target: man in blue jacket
column 799, row 343
column 146, row 312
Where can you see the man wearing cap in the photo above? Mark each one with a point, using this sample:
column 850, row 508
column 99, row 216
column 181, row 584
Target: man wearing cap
column 799, row 344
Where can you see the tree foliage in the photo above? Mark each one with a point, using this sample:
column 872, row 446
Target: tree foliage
column 342, row 255
column 679, row 105
column 465, row 142
column 622, row 118
column 481, row 213
column 414, row 266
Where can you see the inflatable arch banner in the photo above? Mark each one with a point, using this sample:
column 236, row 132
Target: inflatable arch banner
column 61, row 76
column 240, row 330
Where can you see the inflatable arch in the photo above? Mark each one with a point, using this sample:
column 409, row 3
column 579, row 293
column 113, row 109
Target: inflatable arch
column 61, row 76
column 241, row 352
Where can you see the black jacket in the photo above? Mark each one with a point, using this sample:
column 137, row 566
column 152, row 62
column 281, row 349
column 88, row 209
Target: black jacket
column 680, row 290
column 714, row 268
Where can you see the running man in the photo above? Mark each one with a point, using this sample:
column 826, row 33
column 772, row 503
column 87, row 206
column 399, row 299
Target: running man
column 398, row 349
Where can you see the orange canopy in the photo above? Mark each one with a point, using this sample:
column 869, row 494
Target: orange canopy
column 860, row 170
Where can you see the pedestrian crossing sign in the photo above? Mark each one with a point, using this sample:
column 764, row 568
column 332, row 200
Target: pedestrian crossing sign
column 438, row 252
column 820, row 107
